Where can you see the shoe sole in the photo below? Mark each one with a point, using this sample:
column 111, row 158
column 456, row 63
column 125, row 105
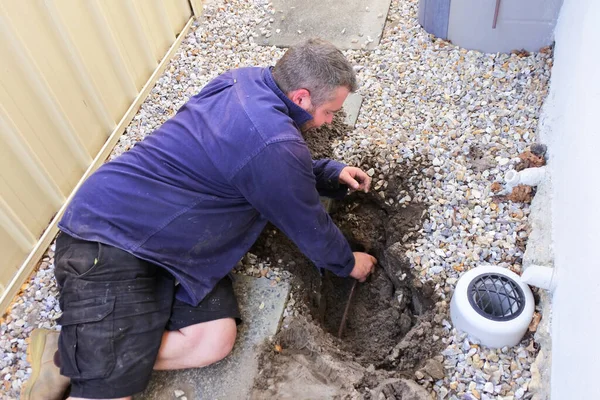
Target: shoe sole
column 36, row 346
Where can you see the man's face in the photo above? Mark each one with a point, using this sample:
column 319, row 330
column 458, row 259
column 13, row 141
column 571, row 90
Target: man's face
column 324, row 113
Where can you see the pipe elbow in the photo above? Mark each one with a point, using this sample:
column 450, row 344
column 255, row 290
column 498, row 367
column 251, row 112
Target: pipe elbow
column 528, row 176
column 539, row 276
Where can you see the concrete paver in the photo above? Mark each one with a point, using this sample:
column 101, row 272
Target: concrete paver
column 352, row 108
column 349, row 24
column 262, row 302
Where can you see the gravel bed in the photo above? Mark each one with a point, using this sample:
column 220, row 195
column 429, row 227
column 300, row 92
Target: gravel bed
column 465, row 113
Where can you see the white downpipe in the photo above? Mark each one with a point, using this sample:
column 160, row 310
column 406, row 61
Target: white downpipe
column 528, row 176
column 539, row 276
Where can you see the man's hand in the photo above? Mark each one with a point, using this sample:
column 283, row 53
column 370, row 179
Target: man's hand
column 363, row 265
column 355, row 178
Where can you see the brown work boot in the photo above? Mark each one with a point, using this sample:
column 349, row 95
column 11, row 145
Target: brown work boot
column 45, row 382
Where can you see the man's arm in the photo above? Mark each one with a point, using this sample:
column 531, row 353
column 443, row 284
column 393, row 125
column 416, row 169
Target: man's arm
column 334, row 178
column 327, row 174
column 280, row 182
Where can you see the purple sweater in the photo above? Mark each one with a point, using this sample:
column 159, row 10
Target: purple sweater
column 195, row 195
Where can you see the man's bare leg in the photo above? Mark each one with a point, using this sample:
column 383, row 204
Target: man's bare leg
column 194, row 346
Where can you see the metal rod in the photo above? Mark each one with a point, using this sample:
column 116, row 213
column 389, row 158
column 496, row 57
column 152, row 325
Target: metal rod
column 343, row 324
column 496, row 14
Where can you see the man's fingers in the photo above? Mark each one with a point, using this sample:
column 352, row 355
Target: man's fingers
column 367, row 184
column 374, row 260
column 364, row 179
column 356, row 178
column 349, row 180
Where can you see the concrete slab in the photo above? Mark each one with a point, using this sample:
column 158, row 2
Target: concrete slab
column 349, row 24
column 352, row 108
column 261, row 303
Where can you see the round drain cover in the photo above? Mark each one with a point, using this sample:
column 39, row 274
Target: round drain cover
column 496, row 297
column 492, row 305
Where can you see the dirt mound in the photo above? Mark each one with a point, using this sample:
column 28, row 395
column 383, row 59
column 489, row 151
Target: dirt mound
column 319, row 139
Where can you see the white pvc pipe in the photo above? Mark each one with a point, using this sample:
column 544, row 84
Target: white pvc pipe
column 539, row 276
column 528, row 176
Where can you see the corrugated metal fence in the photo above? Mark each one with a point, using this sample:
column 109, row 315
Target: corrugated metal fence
column 73, row 74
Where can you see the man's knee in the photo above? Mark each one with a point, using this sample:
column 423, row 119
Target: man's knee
column 212, row 341
column 225, row 340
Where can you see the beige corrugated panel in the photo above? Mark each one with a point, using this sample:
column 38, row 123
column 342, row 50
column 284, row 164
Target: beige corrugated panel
column 72, row 72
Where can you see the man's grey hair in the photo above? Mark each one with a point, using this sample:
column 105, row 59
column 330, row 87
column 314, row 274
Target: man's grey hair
column 317, row 66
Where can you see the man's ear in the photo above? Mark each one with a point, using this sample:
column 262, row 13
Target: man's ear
column 301, row 97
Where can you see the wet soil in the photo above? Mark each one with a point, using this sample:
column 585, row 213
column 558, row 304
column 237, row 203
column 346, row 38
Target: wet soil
column 392, row 321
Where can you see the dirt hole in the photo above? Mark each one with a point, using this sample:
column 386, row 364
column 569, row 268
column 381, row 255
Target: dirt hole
column 385, row 307
column 393, row 324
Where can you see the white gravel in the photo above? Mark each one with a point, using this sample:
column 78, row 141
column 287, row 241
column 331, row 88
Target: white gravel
column 424, row 100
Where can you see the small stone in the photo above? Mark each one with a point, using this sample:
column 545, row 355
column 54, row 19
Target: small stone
column 371, row 172
column 178, row 393
column 538, row 149
column 434, row 369
column 489, row 387
column 419, row 375
column 519, row 393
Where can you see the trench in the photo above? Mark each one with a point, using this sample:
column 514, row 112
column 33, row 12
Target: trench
column 386, row 307
column 392, row 321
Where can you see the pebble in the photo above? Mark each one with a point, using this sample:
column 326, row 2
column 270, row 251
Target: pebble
column 454, row 120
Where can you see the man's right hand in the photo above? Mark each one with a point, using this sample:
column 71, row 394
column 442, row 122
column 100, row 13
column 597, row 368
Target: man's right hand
column 363, row 265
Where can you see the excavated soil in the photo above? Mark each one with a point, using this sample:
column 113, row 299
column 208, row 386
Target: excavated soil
column 392, row 321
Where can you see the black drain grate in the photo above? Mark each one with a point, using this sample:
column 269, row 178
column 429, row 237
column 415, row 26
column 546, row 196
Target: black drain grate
column 496, row 297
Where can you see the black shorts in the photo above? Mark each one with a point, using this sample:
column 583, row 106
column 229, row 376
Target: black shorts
column 116, row 308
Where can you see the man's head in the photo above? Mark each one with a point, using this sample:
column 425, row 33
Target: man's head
column 316, row 76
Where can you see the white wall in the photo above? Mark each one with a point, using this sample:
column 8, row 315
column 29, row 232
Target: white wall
column 571, row 128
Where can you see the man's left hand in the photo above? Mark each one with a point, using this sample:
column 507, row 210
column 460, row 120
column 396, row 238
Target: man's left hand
column 355, row 178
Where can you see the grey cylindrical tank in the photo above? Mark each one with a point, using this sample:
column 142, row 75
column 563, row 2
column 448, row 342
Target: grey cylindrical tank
column 519, row 24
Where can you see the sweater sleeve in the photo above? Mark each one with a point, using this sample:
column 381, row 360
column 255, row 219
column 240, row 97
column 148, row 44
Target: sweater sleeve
column 327, row 174
column 280, row 183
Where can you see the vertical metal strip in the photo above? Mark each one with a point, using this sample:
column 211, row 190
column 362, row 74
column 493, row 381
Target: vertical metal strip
column 15, row 228
column 44, row 93
column 83, row 76
column 142, row 39
column 196, row 7
column 111, row 45
column 496, row 10
column 165, row 24
column 29, row 160
column 185, row 10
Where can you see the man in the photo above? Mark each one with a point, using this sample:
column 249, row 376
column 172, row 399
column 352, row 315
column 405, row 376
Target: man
column 147, row 243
